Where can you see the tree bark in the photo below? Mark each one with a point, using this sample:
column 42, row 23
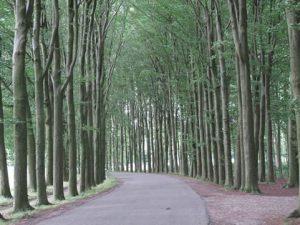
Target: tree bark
column 4, row 182
column 225, row 81
column 31, row 148
column 293, row 178
column 42, row 198
column 71, row 59
column 293, row 15
column 262, row 161
column 58, row 145
column 239, row 27
column 22, row 16
column 278, row 151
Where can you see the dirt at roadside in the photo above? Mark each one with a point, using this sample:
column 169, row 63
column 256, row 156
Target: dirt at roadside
column 237, row 208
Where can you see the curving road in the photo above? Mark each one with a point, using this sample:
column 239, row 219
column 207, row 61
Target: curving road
column 142, row 199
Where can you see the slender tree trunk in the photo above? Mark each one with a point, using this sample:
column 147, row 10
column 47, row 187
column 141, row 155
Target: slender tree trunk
column 160, row 140
column 271, row 175
column 4, row 183
column 49, row 129
column 225, row 102
column 42, row 198
column 293, row 178
column 167, row 147
column 184, row 157
column 100, row 112
column 71, row 59
column 237, row 161
column 149, row 149
column 239, row 170
column 31, row 149
column 204, row 170
column 122, row 148
column 83, row 99
column 208, row 139
column 278, row 151
column 262, row 161
column 174, row 133
column 58, row 145
column 213, row 104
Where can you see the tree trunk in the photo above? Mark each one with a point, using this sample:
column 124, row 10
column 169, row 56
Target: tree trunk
column 208, row 138
column 204, row 170
column 31, row 149
column 239, row 27
column 42, row 198
column 293, row 15
column 293, row 178
column 225, row 81
column 58, row 145
column 278, row 151
column 22, row 16
column 239, row 170
column 4, row 183
column 71, row 59
column 271, row 175
column 214, row 109
column 149, row 149
column 184, row 158
column 262, row 161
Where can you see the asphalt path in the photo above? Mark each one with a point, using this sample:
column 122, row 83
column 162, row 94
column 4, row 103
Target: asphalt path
column 141, row 199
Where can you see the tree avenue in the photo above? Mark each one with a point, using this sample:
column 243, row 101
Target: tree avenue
column 202, row 88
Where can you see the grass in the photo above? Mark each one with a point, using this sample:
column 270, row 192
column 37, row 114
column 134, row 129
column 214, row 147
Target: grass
column 109, row 183
column 5, row 201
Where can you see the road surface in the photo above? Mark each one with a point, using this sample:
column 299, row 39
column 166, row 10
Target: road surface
column 142, row 199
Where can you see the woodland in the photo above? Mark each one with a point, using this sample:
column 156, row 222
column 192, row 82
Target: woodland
column 202, row 88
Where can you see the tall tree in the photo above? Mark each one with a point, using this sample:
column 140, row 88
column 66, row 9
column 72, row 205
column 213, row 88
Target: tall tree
column 71, row 60
column 225, row 80
column 39, row 101
column 23, row 13
column 57, row 109
column 293, row 15
column 4, row 183
column 238, row 12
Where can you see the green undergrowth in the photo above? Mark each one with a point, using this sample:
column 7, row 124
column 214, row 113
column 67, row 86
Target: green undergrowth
column 109, row 183
column 5, row 201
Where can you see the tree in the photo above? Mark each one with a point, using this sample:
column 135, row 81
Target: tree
column 71, row 60
column 238, row 13
column 39, row 101
column 225, row 99
column 58, row 147
column 4, row 183
column 293, row 14
column 22, row 17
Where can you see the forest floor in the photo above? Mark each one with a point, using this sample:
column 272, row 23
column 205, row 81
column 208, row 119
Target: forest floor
column 238, row 208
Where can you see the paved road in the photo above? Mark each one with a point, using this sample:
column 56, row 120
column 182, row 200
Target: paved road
column 142, row 199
